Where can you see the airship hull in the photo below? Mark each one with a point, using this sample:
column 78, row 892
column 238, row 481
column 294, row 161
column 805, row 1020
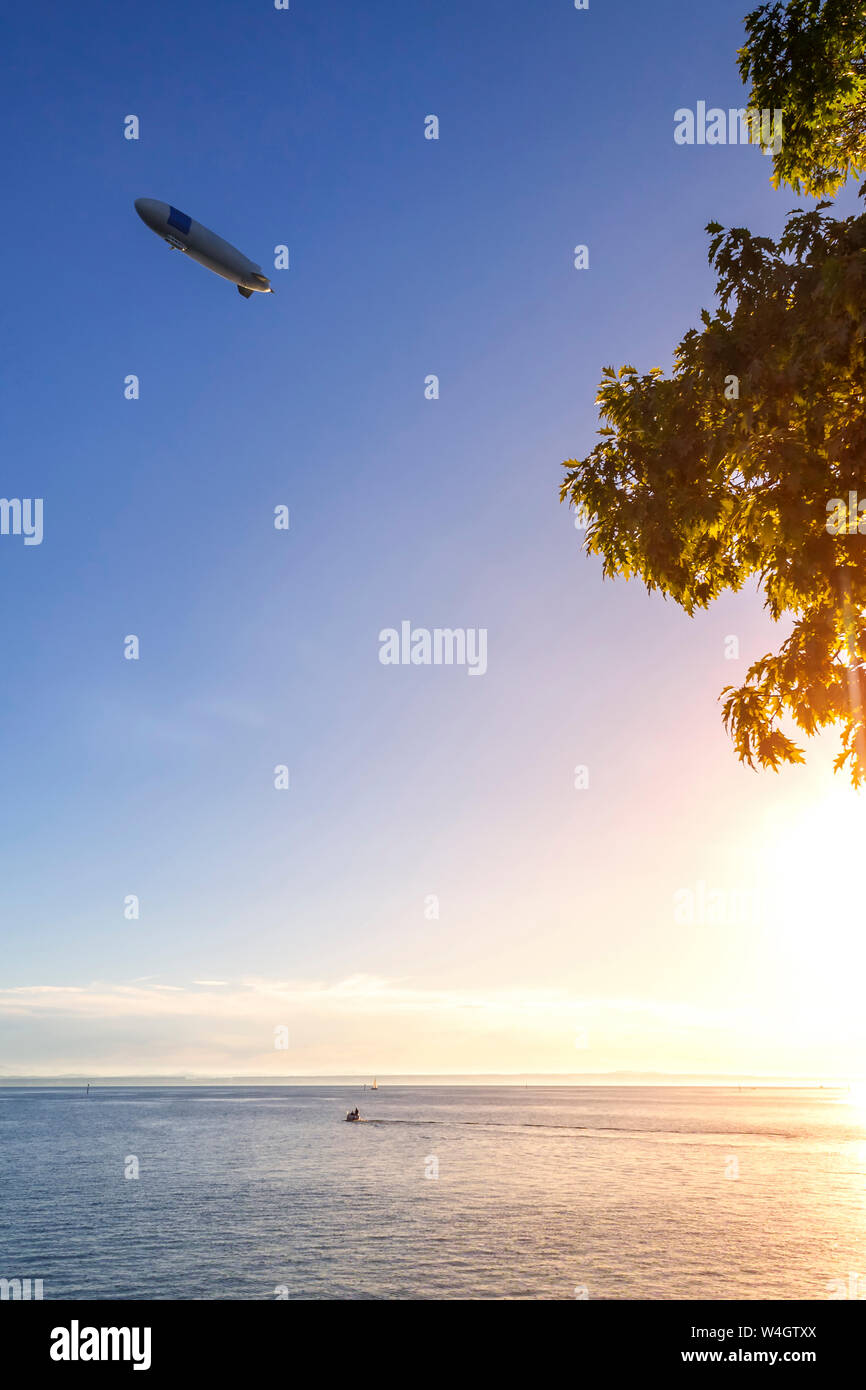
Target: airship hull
column 203, row 245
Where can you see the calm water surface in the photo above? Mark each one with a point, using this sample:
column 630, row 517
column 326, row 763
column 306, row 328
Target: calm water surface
column 663, row 1193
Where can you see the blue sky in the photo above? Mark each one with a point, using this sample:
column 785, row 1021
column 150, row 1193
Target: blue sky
column 258, row 647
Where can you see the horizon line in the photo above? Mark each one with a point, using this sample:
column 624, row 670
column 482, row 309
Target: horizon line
column 397, row 1078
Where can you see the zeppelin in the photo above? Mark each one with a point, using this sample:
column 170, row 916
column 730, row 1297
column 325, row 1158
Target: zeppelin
column 203, row 246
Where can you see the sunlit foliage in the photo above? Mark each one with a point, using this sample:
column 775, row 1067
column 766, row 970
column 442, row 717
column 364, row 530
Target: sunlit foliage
column 724, row 471
column 807, row 58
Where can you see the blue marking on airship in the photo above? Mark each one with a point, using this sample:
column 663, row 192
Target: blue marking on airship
column 179, row 220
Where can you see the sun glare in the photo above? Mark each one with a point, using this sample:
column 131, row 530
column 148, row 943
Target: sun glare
column 815, row 915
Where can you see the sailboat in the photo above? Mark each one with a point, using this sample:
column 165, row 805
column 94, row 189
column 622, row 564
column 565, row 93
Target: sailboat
column 375, row 1085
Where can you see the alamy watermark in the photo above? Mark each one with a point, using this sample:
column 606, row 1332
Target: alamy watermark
column 846, row 519
column 21, row 1289
column 735, row 126
column 22, row 516
column 439, row 646
column 77, row 1343
column 703, row 905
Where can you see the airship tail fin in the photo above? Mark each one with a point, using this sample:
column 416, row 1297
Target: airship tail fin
column 247, row 294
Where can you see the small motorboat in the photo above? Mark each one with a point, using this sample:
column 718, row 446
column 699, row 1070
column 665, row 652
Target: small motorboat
column 353, row 1115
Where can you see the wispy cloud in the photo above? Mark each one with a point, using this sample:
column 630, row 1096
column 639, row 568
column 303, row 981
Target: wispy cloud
column 248, row 997
column 357, row 1023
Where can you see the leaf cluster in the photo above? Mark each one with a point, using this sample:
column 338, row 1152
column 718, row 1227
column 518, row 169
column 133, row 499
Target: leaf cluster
column 695, row 490
column 807, row 58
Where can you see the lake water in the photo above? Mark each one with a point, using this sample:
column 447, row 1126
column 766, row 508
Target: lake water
column 266, row 1192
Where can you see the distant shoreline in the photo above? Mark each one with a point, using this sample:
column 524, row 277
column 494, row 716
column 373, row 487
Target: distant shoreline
column 487, row 1079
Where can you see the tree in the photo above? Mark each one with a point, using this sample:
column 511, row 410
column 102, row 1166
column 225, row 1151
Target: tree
column 808, row 60
column 749, row 461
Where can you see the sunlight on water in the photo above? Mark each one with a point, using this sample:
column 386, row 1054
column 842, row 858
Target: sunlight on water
column 445, row 1192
